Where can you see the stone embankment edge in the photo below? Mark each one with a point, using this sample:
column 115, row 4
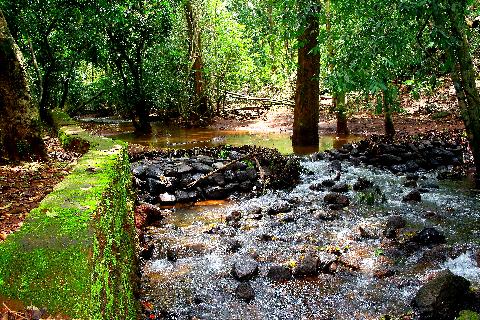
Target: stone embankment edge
column 75, row 254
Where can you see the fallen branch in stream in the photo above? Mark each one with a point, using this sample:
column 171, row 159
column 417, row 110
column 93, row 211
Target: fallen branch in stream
column 261, row 173
column 225, row 167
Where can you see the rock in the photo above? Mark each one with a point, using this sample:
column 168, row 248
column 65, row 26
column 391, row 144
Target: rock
column 443, row 297
column 316, row 187
column 201, row 167
column 186, row 196
column 183, row 168
column 396, row 222
column 215, row 193
column 245, row 186
column 245, row 292
column 139, row 169
column 413, row 196
column 279, row 273
column 325, row 215
column 362, row 184
column 218, row 165
column 328, row 183
column 429, row 236
column 306, row 267
column 167, row 198
column 245, row 269
column 384, row 272
column 325, row 262
column 218, row 179
column 241, row 176
column 233, row 245
column 388, row 159
column 234, row 216
column 340, row 187
column 410, row 184
column 336, row 199
column 279, row 207
column 154, row 171
column 252, row 174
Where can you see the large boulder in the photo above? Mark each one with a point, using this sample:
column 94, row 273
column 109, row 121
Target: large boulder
column 279, row 273
column 443, row 297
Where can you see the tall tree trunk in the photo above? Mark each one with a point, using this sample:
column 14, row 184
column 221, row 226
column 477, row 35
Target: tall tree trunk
column 387, row 112
column 19, row 131
column 341, row 113
column 305, row 123
column 200, row 100
column 463, row 76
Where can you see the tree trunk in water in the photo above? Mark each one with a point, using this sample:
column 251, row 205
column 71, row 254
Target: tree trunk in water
column 341, row 113
column 19, row 131
column 305, row 123
column 200, row 100
column 463, row 76
column 387, row 111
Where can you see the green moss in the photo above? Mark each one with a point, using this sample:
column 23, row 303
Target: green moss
column 468, row 315
column 75, row 254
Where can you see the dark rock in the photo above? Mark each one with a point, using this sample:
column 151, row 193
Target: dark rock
column 325, row 215
column 218, row 179
column 185, row 180
column 383, row 272
column 362, row 184
column 336, row 199
column 316, row 187
column 245, row 292
column 245, row 186
column 328, row 183
column 306, row 267
column 245, row 269
column 229, row 175
column 410, row 184
column 172, row 254
column 340, row 187
column 231, row 187
column 279, row 273
column 154, row 171
column 435, row 255
column 146, row 252
column 241, row 176
column 279, row 207
column 266, row 237
column 252, row 174
column 388, row 159
column 396, row 222
column 240, row 165
column 234, row 216
column 233, row 245
column 167, row 199
column 201, row 167
column 412, row 177
column 429, row 236
column 215, row 193
column 412, row 196
column 443, row 297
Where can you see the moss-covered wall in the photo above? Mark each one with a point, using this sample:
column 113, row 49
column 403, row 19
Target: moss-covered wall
column 75, row 253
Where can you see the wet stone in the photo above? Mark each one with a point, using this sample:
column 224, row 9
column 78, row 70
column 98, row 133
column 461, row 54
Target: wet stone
column 362, row 184
column 340, row 187
column 185, row 196
column 429, row 236
column 154, row 171
column 245, row 269
column 183, row 168
column 139, row 169
column 279, row 207
column 233, row 245
column 337, row 199
column 241, row 176
column 316, row 187
column 245, row 292
column 245, row 186
column 218, row 179
column 279, row 273
column 201, row 167
column 251, row 173
column 306, row 267
column 325, row 261
column 328, row 183
column 215, row 193
column 325, row 215
column 443, row 297
column 413, row 196
column 410, row 184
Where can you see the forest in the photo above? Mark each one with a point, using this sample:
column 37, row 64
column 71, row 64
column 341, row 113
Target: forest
column 392, row 85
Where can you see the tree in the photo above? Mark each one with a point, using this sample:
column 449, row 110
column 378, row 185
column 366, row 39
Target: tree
column 19, row 130
column 306, row 113
column 450, row 32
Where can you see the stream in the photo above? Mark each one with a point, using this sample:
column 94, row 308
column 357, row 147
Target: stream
column 368, row 274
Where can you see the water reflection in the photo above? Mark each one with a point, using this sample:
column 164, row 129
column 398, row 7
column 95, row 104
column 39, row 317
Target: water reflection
column 185, row 138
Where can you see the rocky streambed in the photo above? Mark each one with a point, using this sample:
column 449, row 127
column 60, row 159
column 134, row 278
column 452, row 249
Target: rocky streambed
column 355, row 233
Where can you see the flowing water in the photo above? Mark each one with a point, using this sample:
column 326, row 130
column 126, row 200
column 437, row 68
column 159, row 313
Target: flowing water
column 197, row 283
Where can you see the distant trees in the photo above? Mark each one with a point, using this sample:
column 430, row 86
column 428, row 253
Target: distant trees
column 19, row 129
